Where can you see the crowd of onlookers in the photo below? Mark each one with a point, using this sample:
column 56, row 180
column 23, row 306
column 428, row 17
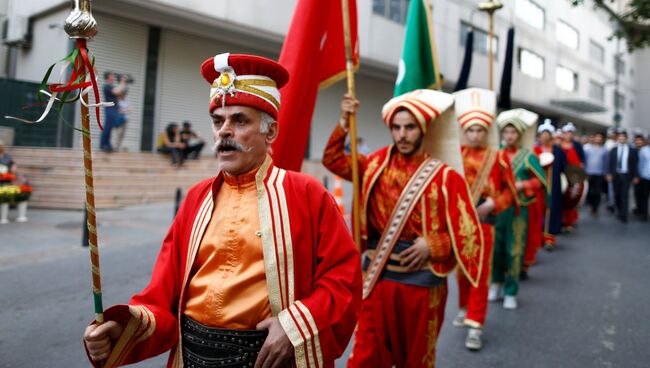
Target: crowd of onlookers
column 614, row 165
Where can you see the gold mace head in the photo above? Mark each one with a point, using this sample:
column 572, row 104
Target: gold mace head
column 490, row 6
column 80, row 23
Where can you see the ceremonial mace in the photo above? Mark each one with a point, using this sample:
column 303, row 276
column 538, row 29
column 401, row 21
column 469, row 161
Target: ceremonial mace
column 82, row 27
column 490, row 7
column 352, row 121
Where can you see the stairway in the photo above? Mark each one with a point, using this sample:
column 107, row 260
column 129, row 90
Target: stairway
column 121, row 178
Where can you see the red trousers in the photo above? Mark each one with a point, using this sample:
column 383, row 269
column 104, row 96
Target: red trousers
column 474, row 299
column 399, row 326
column 535, row 231
column 569, row 216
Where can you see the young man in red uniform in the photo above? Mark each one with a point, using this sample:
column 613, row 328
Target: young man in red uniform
column 492, row 189
column 417, row 223
column 258, row 267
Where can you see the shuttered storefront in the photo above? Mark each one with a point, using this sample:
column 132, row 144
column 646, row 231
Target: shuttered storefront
column 121, row 46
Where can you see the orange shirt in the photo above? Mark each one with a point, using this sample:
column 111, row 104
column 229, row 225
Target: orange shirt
column 227, row 287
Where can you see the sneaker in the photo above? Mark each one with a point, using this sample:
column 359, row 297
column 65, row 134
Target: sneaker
column 510, row 302
column 495, row 293
column 459, row 320
column 473, row 340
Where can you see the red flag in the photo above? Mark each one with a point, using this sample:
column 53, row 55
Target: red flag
column 314, row 54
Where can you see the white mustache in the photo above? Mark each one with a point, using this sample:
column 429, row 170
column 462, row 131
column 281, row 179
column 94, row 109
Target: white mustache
column 229, row 142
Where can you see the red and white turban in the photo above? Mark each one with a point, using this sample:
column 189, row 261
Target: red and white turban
column 424, row 104
column 246, row 80
column 475, row 106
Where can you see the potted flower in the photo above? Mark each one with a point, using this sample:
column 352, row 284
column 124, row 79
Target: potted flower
column 21, row 200
column 8, row 194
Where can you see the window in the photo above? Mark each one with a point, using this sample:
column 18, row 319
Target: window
column 531, row 13
column 566, row 79
column 619, row 100
column 619, row 64
column 596, row 91
column 596, row 52
column 530, row 63
column 567, row 35
column 394, row 10
column 481, row 40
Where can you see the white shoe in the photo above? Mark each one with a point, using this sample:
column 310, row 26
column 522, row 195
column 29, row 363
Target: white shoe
column 473, row 340
column 495, row 292
column 459, row 320
column 510, row 302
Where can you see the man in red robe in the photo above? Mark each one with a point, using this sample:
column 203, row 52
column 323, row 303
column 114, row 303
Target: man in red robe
column 492, row 189
column 258, row 267
column 417, row 223
column 575, row 170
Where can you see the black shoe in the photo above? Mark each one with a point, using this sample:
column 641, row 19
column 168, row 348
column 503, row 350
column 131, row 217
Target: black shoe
column 523, row 276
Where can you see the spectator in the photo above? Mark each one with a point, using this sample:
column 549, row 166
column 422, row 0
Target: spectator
column 193, row 142
column 639, row 142
column 596, row 168
column 644, row 176
column 169, row 141
column 611, row 139
column 6, row 160
column 623, row 171
column 120, row 123
column 111, row 94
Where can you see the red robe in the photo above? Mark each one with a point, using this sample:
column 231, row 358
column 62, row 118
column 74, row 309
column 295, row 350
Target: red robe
column 570, row 213
column 312, row 271
column 400, row 323
column 500, row 186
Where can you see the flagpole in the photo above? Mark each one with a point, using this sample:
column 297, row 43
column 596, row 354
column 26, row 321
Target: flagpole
column 352, row 123
column 81, row 25
column 490, row 7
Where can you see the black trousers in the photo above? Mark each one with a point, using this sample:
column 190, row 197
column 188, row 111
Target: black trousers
column 644, row 189
column 595, row 191
column 622, row 194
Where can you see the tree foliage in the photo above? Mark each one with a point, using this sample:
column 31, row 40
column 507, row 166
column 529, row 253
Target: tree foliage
column 633, row 20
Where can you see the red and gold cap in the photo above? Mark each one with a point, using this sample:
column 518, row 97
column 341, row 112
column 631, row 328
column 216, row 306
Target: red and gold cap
column 246, row 80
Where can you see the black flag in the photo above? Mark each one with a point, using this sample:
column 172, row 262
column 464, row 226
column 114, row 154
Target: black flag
column 467, row 61
column 506, row 78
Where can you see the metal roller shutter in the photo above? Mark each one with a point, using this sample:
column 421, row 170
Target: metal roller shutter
column 120, row 46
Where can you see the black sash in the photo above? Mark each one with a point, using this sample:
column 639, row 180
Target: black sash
column 207, row 347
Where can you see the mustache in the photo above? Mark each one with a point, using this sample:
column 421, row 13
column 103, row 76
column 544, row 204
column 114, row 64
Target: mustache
column 228, row 143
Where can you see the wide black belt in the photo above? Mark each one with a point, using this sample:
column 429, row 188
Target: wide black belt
column 207, row 347
column 396, row 273
column 490, row 219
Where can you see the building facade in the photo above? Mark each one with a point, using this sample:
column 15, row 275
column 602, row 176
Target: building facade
column 565, row 68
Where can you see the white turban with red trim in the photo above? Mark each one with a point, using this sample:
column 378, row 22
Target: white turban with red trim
column 424, row 104
column 475, row 106
column 246, row 80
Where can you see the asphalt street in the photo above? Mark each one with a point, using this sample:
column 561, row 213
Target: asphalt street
column 585, row 305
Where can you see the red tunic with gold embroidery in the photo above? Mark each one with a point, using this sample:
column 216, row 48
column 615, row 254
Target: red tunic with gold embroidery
column 500, row 185
column 444, row 214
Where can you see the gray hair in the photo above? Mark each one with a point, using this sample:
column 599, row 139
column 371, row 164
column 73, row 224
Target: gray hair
column 265, row 122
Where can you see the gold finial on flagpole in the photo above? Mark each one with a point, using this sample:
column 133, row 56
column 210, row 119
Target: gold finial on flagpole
column 490, row 7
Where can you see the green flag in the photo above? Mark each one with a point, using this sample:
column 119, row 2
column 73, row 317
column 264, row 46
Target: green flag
column 418, row 67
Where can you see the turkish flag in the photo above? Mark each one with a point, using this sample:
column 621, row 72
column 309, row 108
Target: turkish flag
column 314, row 54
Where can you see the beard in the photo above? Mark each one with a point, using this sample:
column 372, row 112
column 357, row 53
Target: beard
column 416, row 145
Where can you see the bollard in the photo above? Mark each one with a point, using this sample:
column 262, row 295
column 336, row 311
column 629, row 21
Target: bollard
column 84, row 226
column 179, row 195
column 326, row 182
